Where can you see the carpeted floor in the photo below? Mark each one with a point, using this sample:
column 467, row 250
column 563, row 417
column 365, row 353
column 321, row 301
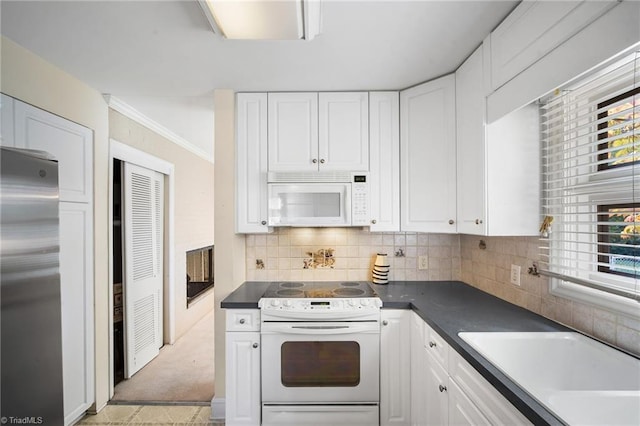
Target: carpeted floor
column 182, row 372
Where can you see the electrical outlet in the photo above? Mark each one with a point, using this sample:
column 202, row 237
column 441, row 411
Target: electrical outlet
column 423, row 262
column 515, row 274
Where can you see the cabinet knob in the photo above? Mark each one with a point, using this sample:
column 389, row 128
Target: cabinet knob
column 264, row 222
column 314, row 161
column 373, row 221
column 322, row 161
column 442, row 388
column 478, row 221
column 451, row 222
column 242, row 321
column 385, row 322
column 255, row 345
column 432, row 344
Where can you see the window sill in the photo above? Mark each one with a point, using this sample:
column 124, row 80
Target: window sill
column 610, row 302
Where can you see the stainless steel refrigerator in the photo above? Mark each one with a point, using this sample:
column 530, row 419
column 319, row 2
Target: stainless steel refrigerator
column 30, row 316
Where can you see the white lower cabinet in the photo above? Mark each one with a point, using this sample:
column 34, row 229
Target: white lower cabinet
column 447, row 390
column 242, row 354
column 395, row 367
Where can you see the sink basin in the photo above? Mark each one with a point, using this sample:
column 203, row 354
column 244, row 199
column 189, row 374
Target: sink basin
column 579, row 379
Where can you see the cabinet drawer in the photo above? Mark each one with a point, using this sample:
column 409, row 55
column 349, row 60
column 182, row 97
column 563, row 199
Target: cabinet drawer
column 436, row 346
column 243, row 320
column 493, row 405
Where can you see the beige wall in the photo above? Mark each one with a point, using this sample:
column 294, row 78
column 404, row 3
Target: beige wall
column 489, row 270
column 193, row 220
column 230, row 248
column 29, row 78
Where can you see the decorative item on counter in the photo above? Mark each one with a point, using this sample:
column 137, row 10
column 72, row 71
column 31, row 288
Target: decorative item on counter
column 322, row 258
column 380, row 272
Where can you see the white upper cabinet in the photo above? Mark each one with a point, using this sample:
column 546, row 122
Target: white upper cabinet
column 498, row 164
column 70, row 143
column 384, row 157
column 293, row 132
column 6, row 130
column 428, row 157
column 542, row 45
column 471, row 167
column 343, row 131
column 534, row 29
column 251, row 163
column 311, row 131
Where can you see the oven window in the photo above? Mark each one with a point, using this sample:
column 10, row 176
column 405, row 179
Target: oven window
column 320, row 364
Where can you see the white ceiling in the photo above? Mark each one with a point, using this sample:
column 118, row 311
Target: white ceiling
column 161, row 57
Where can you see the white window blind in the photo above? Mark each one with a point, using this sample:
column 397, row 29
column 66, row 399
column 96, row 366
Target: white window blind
column 591, row 182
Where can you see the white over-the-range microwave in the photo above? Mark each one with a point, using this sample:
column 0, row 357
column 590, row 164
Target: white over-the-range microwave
column 318, row 198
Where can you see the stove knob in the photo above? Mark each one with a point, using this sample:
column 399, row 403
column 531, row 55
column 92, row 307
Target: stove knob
column 364, row 302
column 275, row 302
column 287, row 303
column 352, row 302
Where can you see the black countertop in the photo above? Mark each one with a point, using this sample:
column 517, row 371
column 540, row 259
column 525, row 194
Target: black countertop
column 449, row 307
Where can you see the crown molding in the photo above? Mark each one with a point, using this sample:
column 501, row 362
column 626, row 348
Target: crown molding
column 127, row 110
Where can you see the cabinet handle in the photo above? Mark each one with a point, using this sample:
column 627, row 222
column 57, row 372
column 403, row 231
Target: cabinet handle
column 442, row 388
column 385, row 322
column 451, row 222
column 264, row 222
column 322, row 161
column 242, row 321
column 255, row 345
column 432, row 344
column 478, row 221
column 373, row 221
column 314, row 161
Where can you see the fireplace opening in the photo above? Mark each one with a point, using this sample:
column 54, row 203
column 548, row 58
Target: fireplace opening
column 199, row 273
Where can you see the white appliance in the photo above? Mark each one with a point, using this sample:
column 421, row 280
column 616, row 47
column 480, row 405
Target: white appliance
column 318, row 199
column 320, row 354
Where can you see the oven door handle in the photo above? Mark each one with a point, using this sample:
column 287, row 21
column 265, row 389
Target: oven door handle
column 321, row 329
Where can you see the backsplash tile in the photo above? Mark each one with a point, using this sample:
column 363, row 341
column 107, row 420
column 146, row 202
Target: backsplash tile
column 285, row 252
column 489, row 270
column 450, row 257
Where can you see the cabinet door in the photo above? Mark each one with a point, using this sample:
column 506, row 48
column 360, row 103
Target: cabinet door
column 462, row 412
column 293, row 132
column 251, row 163
column 384, row 158
column 343, row 131
column 428, row 157
column 242, row 378
column 534, row 29
column 395, row 364
column 471, row 155
column 76, row 297
column 418, row 371
column 437, row 399
column 6, row 123
column 70, row 143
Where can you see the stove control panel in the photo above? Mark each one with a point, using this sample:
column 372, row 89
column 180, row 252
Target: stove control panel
column 357, row 304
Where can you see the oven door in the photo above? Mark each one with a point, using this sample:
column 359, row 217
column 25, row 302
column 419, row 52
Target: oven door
column 320, row 362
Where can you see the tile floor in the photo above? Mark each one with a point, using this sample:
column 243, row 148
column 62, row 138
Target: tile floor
column 151, row 415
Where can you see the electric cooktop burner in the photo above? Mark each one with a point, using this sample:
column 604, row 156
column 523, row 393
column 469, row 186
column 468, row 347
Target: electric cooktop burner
column 319, row 289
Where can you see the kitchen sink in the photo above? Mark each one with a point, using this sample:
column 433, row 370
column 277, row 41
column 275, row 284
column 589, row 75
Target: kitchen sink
column 578, row 378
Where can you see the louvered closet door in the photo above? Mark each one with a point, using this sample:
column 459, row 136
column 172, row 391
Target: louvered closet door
column 143, row 240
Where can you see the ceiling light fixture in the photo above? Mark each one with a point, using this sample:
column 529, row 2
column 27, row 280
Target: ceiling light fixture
column 264, row 19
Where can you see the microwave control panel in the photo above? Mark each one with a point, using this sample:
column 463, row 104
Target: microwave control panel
column 360, row 200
